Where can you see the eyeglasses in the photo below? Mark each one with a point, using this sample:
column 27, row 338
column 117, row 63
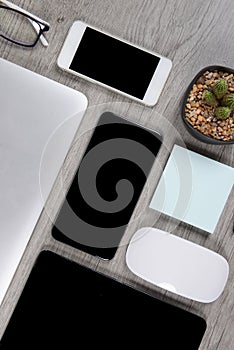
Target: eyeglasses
column 21, row 27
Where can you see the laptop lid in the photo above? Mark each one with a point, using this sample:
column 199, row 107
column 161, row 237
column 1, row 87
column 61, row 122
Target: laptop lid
column 32, row 108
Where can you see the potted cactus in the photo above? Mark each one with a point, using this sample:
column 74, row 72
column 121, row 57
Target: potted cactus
column 221, row 99
column 208, row 109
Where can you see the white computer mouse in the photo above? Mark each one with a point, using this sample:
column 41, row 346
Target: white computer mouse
column 177, row 265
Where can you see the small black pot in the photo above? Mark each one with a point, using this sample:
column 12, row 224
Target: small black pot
column 197, row 134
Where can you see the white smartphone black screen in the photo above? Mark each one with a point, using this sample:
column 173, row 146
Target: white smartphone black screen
column 114, row 63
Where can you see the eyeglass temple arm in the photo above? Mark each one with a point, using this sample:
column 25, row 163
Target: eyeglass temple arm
column 15, row 7
column 42, row 38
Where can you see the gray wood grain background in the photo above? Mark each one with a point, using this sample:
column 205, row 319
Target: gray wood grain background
column 193, row 34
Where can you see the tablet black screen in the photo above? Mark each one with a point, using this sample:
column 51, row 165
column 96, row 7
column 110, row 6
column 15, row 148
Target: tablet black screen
column 67, row 306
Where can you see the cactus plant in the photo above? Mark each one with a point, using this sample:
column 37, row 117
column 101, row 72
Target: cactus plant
column 222, row 112
column 220, row 88
column 210, row 98
column 228, row 101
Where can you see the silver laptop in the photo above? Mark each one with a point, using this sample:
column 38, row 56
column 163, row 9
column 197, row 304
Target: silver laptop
column 32, row 109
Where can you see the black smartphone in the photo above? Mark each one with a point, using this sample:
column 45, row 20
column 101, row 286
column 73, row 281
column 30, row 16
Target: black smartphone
column 107, row 186
column 67, row 306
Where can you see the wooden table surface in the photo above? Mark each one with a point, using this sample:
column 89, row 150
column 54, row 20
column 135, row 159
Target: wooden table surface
column 193, row 34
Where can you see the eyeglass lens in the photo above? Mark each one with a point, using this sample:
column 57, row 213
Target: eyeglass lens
column 17, row 27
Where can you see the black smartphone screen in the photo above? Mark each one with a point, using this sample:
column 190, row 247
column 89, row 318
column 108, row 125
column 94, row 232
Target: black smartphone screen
column 67, row 306
column 107, row 186
column 114, row 63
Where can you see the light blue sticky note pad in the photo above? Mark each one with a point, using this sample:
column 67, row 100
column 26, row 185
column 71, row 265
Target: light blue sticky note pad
column 193, row 189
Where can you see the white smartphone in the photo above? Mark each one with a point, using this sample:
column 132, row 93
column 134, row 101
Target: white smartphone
column 114, row 63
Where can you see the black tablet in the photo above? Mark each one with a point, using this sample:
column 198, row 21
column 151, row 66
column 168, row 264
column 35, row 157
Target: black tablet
column 67, row 306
